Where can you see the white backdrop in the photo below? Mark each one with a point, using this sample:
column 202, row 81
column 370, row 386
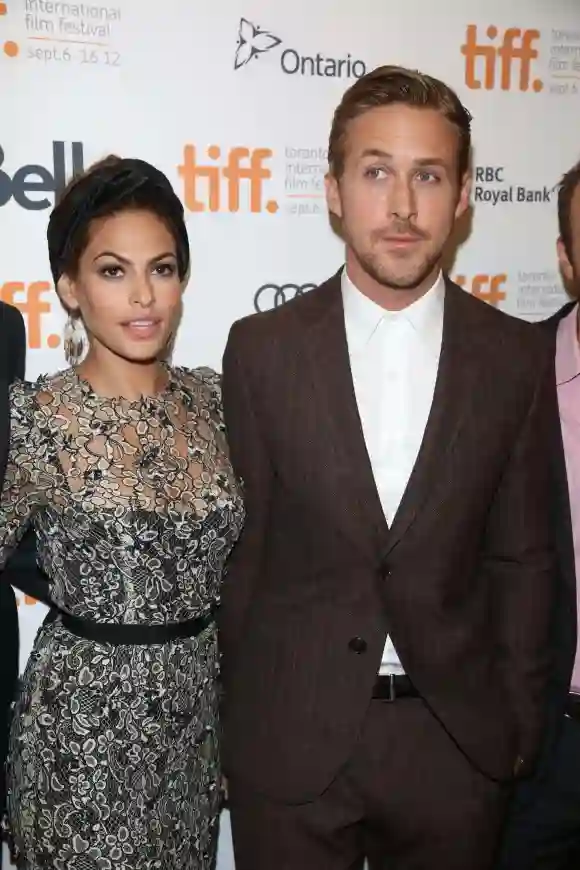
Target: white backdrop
column 195, row 87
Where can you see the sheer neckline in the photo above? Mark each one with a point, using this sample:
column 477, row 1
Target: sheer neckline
column 121, row 401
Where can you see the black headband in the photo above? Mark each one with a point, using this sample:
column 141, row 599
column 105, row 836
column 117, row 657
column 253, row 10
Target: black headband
column 111, row 187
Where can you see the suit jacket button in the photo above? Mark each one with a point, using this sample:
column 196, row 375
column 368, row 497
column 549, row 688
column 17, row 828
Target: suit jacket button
column 357, row 645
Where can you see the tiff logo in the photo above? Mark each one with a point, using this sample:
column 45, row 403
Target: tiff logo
column 516, row 48
column 488, row 288
column 30, row 299
column 242, row 172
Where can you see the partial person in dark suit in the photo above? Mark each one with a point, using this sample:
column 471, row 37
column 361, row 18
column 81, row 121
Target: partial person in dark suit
column 543, row 831
column 384, row 624
column 21, row 570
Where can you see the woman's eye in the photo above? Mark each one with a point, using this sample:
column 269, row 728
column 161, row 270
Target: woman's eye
column 165, row 269
column 111, row 271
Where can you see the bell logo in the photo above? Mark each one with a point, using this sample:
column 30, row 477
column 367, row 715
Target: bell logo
column 516, row 47
column 26, row 183
column 488, row 288
column 28, row 298
column 242, row 172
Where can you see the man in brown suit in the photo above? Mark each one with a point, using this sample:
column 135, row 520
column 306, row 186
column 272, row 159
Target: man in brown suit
column 384, row 620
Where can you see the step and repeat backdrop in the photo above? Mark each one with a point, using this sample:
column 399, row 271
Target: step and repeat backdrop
column 233, row 100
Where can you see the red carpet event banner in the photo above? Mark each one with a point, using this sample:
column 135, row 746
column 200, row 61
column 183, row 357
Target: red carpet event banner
column 233, row 101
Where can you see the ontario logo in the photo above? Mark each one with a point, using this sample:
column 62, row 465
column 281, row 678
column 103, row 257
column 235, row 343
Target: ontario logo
column 254, row 41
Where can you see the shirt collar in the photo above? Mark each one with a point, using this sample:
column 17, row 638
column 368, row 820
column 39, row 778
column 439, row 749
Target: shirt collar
column 363, row 316
column 567, row 348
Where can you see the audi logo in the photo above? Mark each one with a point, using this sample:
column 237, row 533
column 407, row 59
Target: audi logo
column 270, row 296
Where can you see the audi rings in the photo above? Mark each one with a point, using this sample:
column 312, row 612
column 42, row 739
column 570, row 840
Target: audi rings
column 270, row 296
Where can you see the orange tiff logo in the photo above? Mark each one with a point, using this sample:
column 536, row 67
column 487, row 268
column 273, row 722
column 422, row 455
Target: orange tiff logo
column 241, row 172
column 504, row 51
column 30, row 300
column 26, row 599
column 485, row 287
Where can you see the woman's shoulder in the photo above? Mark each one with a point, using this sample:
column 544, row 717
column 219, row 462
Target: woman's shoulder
column 53, row 383
column 201, row 378
column 21, row 390
column 27, row 394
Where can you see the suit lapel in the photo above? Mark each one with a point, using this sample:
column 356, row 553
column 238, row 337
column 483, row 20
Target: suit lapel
column 345, row 464
column 562, row 511
column 348, row 477
column 455, row 389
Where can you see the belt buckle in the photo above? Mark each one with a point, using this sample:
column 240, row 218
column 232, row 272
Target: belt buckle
column 392, row 693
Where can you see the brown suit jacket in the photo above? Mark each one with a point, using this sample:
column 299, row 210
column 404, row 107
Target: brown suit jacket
column 461, row 580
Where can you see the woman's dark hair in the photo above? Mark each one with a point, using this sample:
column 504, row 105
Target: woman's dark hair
column 108, row 187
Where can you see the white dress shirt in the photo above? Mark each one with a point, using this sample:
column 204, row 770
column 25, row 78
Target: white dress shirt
column 394, row 358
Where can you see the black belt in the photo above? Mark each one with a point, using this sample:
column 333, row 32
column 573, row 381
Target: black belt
column 119, row 634
column 573, row 706
column 389, row 687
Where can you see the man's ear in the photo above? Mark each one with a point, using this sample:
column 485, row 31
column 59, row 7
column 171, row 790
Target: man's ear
column 464, row 195
column 564, row 261
column 333, row 195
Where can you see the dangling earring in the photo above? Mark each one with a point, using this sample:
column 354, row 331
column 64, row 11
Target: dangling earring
column 74, row 340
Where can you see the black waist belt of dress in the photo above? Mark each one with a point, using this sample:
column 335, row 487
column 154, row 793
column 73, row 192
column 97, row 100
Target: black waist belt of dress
column 117, row 633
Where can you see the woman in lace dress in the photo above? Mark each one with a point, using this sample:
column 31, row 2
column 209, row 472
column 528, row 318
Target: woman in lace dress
column 120, row 463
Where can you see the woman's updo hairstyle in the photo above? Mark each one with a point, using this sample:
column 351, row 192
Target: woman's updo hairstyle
column 108, row 187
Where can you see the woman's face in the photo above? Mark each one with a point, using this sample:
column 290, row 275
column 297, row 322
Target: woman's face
column 127, row 289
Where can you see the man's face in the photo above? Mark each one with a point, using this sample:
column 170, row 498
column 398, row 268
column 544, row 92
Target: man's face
column 399, row 195
column 570, row 261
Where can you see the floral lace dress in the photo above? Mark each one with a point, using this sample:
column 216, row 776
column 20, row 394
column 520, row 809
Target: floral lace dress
column 114, row 761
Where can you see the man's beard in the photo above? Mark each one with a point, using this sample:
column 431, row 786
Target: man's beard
column 409, row 275
column 385, row 275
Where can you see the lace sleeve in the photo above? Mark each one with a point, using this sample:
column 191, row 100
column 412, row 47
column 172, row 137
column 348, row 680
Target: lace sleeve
column 205, row 387
column 23, row 491
column 213, row 381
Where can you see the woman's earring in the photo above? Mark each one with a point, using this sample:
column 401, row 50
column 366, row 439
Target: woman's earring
column 74, row 340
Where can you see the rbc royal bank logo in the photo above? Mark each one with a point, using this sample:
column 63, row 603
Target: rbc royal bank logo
column 501, row 59
column 254, row 41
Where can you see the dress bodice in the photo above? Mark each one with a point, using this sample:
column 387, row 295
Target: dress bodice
column 134, row 503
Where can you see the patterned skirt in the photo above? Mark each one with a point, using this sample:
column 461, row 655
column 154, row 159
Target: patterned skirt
column 114, row 758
